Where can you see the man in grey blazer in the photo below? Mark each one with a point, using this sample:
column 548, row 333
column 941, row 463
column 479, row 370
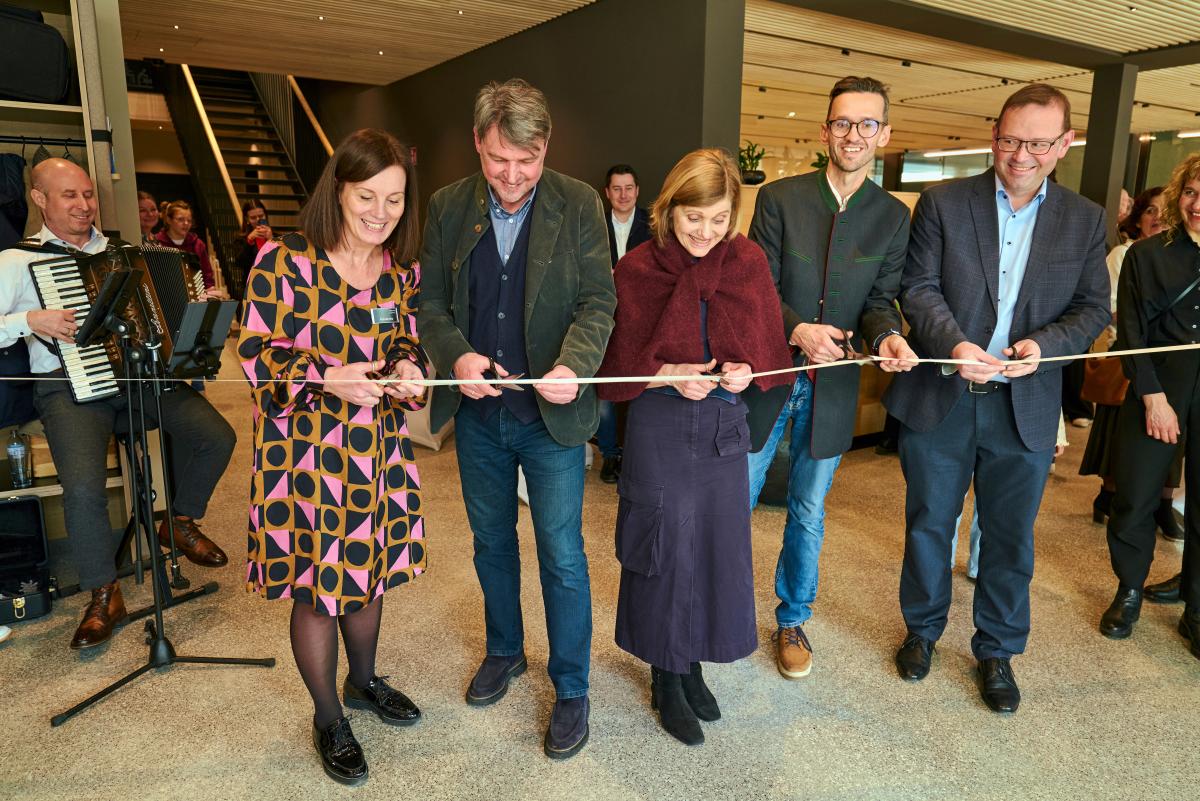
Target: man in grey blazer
column 1003, row 266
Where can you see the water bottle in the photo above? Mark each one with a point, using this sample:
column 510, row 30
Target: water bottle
column 18, row 461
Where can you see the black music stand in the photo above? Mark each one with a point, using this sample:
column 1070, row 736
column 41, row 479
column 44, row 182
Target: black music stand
column 201, row 337
column 142, row 366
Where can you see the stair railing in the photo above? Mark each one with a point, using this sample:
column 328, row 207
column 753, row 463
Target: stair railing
column 210, row 178
column 297, row 126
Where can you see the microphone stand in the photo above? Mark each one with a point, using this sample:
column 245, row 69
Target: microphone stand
column 142, row 362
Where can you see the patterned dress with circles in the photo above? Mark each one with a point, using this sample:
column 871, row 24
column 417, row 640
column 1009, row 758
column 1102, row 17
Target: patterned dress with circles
column 335, row 501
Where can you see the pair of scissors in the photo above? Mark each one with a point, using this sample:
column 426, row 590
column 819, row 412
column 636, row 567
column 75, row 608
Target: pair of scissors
column 847, row 346
column 494, row 376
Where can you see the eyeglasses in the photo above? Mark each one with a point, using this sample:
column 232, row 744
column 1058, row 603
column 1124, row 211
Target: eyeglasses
column 866, row 128
column 1035, row 147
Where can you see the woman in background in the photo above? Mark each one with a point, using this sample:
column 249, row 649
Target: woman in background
column 255, row 233
column 147, row 216
column 177, row 233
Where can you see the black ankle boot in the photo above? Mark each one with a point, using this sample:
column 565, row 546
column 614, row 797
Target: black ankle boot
column 698, row 696
column 1117, row 621
column 677, row 717
column 1164, row 517
column 1101, row 505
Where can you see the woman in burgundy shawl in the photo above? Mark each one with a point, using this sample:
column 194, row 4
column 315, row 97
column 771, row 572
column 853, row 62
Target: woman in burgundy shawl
column 696, row 299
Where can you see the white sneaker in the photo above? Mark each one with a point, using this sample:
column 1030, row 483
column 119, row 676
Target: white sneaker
column 4, row 632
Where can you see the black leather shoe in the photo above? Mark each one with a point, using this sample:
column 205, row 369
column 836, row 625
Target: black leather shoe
column 1189, row 627
column 491, row 680
column 698, row 696
column 341, row 755
column 998, row 685
column 391, row 705
column 914, row 657
column 610, row 470
column 674, row 712
column 1117, row 621
column 568, row 729
column 1164, row 592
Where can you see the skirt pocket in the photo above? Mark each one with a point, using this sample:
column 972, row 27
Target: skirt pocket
column 733, row 431
column 639, row 522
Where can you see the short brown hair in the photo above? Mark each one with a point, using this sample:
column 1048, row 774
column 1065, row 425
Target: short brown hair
column 701, row 178
column 169, row 210
column 1038, row 94
column 1187, row 171
column 361, row 156
column 1131, row 225
column 853, row 83
column 518, row 110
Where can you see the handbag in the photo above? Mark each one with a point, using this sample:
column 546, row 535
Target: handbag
column 1104, row 381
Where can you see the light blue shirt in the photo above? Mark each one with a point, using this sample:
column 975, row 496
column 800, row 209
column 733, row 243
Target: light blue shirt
column 1016, row 237
column 508, row 224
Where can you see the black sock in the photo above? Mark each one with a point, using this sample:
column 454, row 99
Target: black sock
column 314, row 646
column 360, row 633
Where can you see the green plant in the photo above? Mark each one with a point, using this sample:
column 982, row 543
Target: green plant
column 820, row 161
column 750, row 156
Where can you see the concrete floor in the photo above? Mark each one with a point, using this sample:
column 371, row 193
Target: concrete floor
column 1100, row 719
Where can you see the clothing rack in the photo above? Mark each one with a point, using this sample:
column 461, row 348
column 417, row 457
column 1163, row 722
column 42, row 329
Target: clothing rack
column 49, row 141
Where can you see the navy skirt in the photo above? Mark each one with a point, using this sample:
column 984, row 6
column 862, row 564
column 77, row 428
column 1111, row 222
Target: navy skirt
column 683, row 533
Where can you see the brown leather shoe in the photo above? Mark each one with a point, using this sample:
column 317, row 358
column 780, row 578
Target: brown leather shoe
column 793, row 654
column 107, row 608
column 198, row 548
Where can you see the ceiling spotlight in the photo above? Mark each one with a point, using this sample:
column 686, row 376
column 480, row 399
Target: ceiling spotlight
column 762, row 88
column 1004, row 81
column 160, row 50
column 760, row 116
column 905, row 63
column 791, row 114
column 797, row 141
column 160, row 127
column 381, row 52
column 1133, row 8
column 320, row 19
column 845, row 52
column 176, row 27
column 460, row 12
column 1145, row 105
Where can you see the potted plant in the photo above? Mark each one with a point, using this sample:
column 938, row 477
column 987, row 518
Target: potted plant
column 749, row 158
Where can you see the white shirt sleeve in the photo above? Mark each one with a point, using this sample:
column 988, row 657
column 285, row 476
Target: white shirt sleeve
column 17, row 296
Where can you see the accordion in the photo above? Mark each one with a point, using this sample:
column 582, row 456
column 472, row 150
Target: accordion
column 72, row 281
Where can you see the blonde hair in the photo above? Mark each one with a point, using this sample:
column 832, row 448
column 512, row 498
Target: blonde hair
column 169, row 210
column 518, row 110
column 1187, row 171
column 701, row 178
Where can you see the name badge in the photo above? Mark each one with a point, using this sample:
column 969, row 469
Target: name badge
column 381, row 316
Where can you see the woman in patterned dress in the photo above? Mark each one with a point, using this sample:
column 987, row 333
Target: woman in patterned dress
column 335, row 500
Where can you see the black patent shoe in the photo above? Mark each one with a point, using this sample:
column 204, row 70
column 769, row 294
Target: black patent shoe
column 1164, row 592
column 568, row 729
column 674, row 712
column 914, row 657
column 998, row 685
column 1117, row 621
column 392, row 706
column 341, row 755
column 698, row 696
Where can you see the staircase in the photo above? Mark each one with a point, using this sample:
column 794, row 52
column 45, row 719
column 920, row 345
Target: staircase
column 254, row 156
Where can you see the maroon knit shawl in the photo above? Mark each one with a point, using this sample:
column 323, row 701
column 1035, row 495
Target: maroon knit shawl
column 659, row 290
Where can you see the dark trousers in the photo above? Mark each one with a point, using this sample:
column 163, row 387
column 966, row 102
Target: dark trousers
column 1074, row 406
column 78, row 434
column 979, row 436
column 1142, row 464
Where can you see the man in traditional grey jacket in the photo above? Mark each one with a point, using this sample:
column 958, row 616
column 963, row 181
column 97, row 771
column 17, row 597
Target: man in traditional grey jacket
column 836, row 243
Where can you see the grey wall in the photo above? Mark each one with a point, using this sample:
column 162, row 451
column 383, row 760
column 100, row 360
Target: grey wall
column 627, row 80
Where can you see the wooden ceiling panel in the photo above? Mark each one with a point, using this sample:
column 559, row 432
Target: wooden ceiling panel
column 1119, row 25
column 290, row 38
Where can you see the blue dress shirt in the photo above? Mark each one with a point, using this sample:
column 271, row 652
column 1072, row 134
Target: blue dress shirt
column 507, row 224
column 1016, row 237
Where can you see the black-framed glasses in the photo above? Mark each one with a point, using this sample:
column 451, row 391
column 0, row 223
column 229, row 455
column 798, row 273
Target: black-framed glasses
column 867, row 128
column 1034, row 147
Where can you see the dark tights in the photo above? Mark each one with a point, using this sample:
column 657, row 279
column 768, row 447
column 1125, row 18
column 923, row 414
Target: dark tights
column 314, row 645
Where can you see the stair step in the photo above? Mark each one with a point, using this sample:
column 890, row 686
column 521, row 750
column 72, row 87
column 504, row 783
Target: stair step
column 266, row 181
column 234, row 129
column 237, row 115
column 271, row 196
column 230, row 93
column 269, row 139
column 229, row 107
column 239, row 151
column 269, row 166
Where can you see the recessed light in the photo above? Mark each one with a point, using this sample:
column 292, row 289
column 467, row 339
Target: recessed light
column 791, row 114
column 160, row 127
column 905, row 63
column 176, row 27
column 320, row 19
column 160, row 50
column 460, row 12
column 381, row 52
column 845, row 52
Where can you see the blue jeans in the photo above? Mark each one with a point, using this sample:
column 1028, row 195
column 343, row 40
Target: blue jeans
column 606, row 434
column 809, row 481
column 973, row 558
column 489, row 452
